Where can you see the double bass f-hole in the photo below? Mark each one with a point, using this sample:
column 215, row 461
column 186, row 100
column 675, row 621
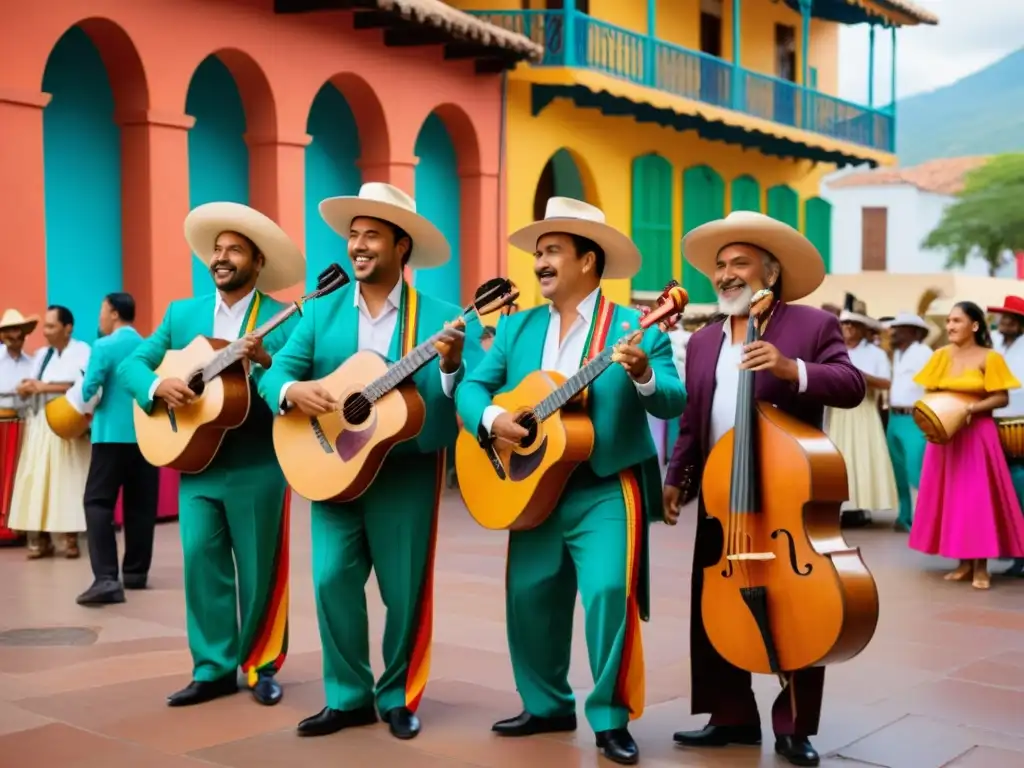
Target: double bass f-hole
column 792, row 553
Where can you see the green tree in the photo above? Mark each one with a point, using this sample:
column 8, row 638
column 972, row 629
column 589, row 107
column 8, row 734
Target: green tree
column 987, row 217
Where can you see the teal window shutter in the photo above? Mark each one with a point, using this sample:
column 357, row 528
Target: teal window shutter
column 784, row 205
column 703, row 201
column 746, row 194
column 818, row 228
column 652, row 222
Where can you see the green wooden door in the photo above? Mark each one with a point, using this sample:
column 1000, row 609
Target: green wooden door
column 784, row 205
column 703, row 201
column 818, row 228
column 746, row 194
column 652, row 222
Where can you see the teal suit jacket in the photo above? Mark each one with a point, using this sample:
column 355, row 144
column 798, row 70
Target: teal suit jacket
column 112, row 421
column 618, row 411
column 328, row 335
column 184, row 320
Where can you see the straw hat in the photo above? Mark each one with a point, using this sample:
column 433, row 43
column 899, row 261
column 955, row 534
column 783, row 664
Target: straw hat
column 1012, row 305
column 388, row 203
column 285, row 265
column 802, row 267
column 14, row 319
column 846, row 316
column 908, row 319
column 574, row 217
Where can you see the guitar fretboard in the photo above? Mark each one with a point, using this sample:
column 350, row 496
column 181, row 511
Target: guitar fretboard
column 575, row 383
column 403, row 369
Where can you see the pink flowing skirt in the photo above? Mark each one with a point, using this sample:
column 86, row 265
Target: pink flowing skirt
column 967, row 507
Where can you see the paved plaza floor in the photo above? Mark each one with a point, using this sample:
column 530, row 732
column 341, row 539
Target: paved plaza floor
column 942, row 683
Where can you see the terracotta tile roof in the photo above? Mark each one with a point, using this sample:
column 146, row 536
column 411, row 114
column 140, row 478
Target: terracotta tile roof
column 435, row 13
column 944, row 176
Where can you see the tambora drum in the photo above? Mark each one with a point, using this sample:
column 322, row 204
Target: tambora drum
column 1011, row 435
column 68, row 415
column 940, row 415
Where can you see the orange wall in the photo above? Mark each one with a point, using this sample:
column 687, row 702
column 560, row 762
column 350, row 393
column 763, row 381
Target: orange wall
column 152, row 48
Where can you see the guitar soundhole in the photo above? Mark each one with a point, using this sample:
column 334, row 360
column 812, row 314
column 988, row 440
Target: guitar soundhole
column 196, row 383
column 528, row 421
column 356, row 408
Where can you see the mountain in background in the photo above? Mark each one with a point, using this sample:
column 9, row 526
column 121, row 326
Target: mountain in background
column 981, row 114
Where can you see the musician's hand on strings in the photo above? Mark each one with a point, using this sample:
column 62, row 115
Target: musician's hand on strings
column 505, row 429
column 174, row 392
column 311, row 398
column 634, row 360
column 764, row 356
column 670, row 504
column 252, row 348
column 449, row 346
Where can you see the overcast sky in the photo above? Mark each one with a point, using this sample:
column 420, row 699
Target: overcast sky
column 971, row 34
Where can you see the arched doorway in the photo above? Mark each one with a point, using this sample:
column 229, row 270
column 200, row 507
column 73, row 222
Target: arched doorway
column 560, row 178
column 439, row 199
column 218, row 158
column 82, row 178
column 331, row 170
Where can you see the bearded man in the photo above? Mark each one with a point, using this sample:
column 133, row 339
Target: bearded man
column 802, row 366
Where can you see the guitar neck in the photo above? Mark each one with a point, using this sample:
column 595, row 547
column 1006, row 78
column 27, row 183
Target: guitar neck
column 232, row 353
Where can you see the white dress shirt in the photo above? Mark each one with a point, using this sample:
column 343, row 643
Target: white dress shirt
column 1014, row 354
column 13, row 371
column 906, row 364
column 375, row 333
column 679, row 338
column 64, row 367
column 564, row 355
column 727, row 383
column 870, row 359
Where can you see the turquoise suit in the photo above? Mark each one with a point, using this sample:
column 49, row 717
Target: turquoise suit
column 596, row 538
column 392, row 527
column 233, row 514
column 112, row 420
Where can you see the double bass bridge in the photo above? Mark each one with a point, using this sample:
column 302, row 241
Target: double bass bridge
column 752, row 556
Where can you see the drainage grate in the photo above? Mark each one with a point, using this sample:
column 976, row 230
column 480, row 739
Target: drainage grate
column 49, row 636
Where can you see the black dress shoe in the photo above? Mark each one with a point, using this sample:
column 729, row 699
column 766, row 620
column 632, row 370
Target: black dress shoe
column 1016, row 570
column 267, row 690
column 797, row 750
column 402, row 723
column 102, row 593
column 330, row 720
column 199, row 691
column 134, row 580
column 618, row 746
column 526, row 724
column 719, row 736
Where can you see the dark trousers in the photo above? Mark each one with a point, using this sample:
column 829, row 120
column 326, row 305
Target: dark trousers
column 120, row 467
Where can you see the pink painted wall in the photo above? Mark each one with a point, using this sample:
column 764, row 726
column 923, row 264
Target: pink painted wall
column 151, row 50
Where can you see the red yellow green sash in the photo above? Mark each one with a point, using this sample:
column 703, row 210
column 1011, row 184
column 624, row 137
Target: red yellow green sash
column 630, row 687
column 270, row 645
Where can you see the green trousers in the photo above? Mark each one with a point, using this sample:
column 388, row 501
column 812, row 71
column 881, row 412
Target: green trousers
column 233, row 525
column 392, row 529
column 906, row 449
column 585, row 544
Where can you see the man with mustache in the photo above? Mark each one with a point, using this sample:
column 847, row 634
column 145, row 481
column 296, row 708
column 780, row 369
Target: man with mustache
column 802, row 366
column 234, row 514
column 392, row 527
column 596, row 538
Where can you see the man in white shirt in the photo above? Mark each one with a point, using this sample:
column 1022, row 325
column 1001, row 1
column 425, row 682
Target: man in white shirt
column 15, row 366
column 906, row 441
column 1011, row 346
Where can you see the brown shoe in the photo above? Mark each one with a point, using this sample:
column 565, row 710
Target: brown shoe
column 39, row 545
column 71, row 546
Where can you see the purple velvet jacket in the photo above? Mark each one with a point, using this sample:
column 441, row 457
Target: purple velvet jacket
column 796, row 331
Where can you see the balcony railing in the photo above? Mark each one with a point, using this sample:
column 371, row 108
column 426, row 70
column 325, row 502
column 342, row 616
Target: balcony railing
column 622, row 53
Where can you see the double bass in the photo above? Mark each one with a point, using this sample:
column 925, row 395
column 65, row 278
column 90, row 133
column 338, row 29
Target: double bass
column 787, row 592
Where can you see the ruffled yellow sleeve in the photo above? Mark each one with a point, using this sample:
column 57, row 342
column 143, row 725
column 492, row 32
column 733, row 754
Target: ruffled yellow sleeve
column 934, row 370
column 998, row 377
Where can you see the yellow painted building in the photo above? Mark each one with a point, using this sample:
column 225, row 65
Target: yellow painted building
column 642, row 109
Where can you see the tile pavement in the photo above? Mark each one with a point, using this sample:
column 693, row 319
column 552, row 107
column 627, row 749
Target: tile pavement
column 942, row 683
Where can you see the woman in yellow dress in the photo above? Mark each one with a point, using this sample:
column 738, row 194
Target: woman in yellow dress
column 967, row 508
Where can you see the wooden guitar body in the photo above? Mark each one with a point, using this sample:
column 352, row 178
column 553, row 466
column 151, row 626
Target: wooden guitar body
column 822, row 602
column 187, row 439
column 533, row 476
column 334, row 458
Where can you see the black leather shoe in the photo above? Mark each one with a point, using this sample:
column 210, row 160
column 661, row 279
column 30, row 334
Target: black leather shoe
column 797, row 750
column 526, row 724
column 1017, row 569
column 267, row 690
column 198, row 692
column 402, row 723
column 719, row 736
column 102, row 593
column 618, row 746
column 330, row 720
column 134, row 580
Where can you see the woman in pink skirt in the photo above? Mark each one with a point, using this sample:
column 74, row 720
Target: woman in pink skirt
column 967, row 508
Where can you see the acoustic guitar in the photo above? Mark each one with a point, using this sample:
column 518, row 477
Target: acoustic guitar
column 515, row 488
column 336, row 456
column 187, row 439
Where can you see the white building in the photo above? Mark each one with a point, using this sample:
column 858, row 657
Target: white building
column 880, row 217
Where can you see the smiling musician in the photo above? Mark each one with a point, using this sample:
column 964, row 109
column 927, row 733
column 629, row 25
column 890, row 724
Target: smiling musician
column 596, row 538
column 802, row 366
column 234, row 513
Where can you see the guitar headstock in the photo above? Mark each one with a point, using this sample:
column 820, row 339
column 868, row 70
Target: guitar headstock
column 668, row 309
column 328, row 281
column 493, row 295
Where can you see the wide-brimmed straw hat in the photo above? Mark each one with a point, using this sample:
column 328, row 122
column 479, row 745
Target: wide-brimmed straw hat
column 565, row 215
column 285, row 265
column 846, row 316
column 908, row 319
column 1012, row 305
column 385, row 202
column 802, row 267
column 12, row 318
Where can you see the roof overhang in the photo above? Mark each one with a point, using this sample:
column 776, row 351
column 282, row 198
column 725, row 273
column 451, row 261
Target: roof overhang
column 891, row 13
